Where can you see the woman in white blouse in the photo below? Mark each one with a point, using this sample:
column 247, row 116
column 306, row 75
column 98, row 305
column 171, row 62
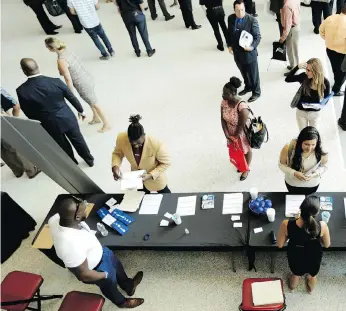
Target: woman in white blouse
column 303, row 162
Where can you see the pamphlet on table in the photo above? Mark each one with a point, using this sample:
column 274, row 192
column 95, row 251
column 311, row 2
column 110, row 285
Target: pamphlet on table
column 186, row 206
column 131, row 201
column 151, row 204
column 232, row 203
column 293, row 203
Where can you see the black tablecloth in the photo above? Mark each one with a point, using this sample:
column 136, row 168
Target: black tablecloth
column 209, row 229
column 337, row 222
column 15, row 226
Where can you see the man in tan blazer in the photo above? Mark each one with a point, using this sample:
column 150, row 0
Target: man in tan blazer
column 144, row 153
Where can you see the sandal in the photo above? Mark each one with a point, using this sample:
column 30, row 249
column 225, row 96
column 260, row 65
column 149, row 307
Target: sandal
column 104, row 129
column 242, row 177
column 94, row 121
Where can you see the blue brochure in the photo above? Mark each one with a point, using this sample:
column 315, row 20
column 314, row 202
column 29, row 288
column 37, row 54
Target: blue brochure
column 123, row 217
column 111, row 220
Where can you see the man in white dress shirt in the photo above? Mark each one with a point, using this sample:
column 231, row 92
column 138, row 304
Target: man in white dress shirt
column 84, row 256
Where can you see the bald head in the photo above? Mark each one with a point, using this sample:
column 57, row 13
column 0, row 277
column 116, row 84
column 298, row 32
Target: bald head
column 29, row 66
column 67, row 208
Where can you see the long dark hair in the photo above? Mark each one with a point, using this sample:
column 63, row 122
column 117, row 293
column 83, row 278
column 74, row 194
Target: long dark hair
column 308, row 133
column 308, row 211
column 135, row 129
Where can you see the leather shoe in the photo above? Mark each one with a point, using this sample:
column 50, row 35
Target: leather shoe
column 91, row 164
column 168, row 18
column 340, row 93
column 220, row 48
column 57, row 27
column 52, row 32
column 138, row 54
column 154, row 17
column 151, row 53
column 289, row 67
column 194, row 27
column 187, row 26
column 131, row 303
column 243, row 92
column 78, row 31
column 316, row 31
column 286, row 74
column 137, row 279
column 38, row 171
column 253, row 98
column 342, row 125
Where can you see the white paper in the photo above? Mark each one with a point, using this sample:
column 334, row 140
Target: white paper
column 293, row 203
column 186, row 206
column 237, row 225
column 131, row 201
column 151, row 204
column 111, row 202
column 108, row 219
column 132, row 180
column 232, row 203
column 245, row 39
column 235, row 217
column 258, row 230
column 116, row 206
column 168, row 215
column 164, row 223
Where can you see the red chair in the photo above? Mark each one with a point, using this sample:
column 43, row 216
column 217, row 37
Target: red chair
column 19, row 289
column 247, row 303
column 82, row 301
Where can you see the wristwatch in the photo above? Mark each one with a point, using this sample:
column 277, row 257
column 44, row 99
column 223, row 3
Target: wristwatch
column 106, row 273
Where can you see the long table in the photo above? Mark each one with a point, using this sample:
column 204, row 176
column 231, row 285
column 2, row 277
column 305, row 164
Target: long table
column 209, row 229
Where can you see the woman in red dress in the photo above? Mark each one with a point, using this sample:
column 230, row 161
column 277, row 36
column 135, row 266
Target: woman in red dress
column 234, row 114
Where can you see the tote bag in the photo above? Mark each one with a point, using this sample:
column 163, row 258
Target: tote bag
column 53, row 7
column 237, row 157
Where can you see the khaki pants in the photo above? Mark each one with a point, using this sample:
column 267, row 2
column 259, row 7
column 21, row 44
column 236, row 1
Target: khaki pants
column 15, row 162
column 308, row 118
column 292, row 43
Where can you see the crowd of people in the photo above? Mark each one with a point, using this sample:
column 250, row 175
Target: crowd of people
column 303, row 160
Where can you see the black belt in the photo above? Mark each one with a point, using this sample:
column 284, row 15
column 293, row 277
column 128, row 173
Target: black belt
column 217, row 7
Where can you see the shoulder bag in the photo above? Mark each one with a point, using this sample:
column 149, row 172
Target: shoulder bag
column 297, row 97
column 53, row 7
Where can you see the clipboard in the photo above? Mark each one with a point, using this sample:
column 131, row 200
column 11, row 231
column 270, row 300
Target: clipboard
column 44, row 239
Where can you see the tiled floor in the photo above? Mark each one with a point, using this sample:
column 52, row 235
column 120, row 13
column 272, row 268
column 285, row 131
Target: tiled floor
column 178, row 93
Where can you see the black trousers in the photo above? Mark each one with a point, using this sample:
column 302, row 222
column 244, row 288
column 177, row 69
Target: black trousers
column 339, row 76
column 216, row 17
column 317, row 8
column 248, row 6
column 186, row 10
column 339, row 5
column 250, row 75
column 42, row 17
column 164, row 190
column 343, row 112
column 74, row 137
column 77, row 26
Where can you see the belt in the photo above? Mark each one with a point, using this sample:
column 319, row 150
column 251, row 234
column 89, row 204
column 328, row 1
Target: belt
column 217, row 7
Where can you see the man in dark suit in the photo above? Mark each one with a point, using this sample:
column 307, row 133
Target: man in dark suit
column 186, row 10
column 42, row 98
column 47, row 25
column 245, row 58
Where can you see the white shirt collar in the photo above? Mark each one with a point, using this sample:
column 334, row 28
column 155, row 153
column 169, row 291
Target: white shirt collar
column 34, row 76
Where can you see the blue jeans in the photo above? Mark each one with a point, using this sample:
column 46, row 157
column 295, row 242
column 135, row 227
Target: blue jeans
column 97, row 32
column 116, row 276
column 133, row 20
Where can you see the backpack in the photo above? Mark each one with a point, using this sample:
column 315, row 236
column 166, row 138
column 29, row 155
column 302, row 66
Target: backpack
column 255, row 130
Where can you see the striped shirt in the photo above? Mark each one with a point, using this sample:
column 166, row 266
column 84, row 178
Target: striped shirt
column 86, row 12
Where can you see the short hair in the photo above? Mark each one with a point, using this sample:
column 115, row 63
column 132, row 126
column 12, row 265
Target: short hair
column 135, row 129
column 66, row 206
column 237, row 2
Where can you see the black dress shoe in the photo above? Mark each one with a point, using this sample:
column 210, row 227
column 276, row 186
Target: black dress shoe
column 187, row 26
column 342, row 125
column 78, row 31
column 138, row 54
column 154, row 17
column 168, row 18
column 245, row 91
column 57, row 27
column 151, row 53
column 51, row 33
column 340, row 93
column 194, row 27
column 286, row 74
column 316, row 31
column 289, row 67
column 253, row 98
column 220, row 47
column 91, row 164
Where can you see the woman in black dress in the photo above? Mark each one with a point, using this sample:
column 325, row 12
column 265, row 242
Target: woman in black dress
column 306, row 237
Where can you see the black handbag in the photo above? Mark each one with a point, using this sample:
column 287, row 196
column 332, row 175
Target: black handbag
column 279, row 51
column 53, row 7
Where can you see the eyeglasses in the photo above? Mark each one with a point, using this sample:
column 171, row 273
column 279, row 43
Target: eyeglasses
column 80, row 204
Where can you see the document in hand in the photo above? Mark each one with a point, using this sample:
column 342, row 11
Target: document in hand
column 131, row 201
column 132, row 180
column 293, row 203
column 232, row 203
column 245, row 39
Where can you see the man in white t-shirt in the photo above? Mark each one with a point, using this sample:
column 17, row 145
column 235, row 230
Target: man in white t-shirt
column 84, row 256
column 86, row 11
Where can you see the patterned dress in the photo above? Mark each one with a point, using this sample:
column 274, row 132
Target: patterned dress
column 231, row 116
column 82, row 80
